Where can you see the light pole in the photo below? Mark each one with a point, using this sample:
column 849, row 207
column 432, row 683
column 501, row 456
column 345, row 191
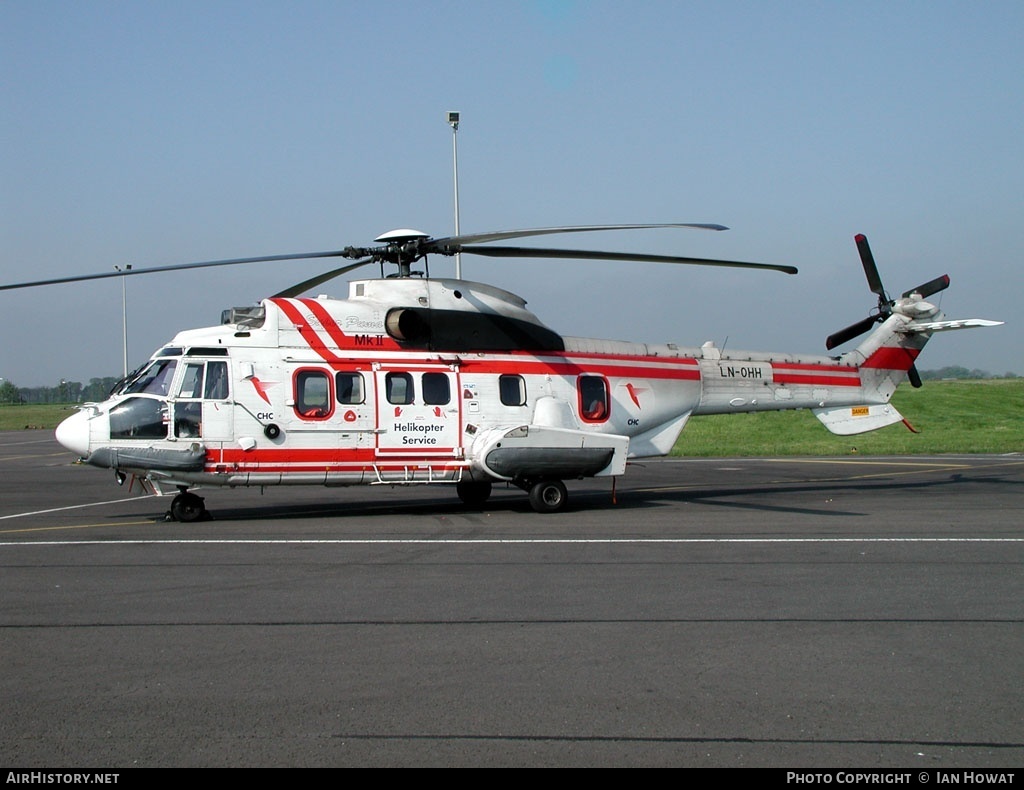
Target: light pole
column 124, row 314
column 453, row 121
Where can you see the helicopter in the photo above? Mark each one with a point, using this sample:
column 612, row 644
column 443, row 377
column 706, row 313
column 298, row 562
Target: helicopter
column 415, row 380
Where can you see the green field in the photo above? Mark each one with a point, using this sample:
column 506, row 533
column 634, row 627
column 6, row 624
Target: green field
column 978, row 416
column 42, row 416
column 982, row 416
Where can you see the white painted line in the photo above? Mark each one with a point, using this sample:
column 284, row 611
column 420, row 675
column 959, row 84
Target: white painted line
column 75, row 507
column 491, row 541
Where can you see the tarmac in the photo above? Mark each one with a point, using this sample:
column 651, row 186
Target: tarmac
column 787, row 613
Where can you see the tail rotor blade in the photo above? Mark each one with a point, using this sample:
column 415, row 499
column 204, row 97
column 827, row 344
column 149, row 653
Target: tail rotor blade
column 914, row 377
column 852, row 331
column 870, row 269
column 930, row 287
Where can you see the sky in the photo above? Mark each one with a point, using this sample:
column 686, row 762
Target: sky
column 154, row 133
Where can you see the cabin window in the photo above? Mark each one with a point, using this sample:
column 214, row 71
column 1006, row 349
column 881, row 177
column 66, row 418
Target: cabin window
column 216, row 381
column 436, row 389
column 594, row 402
column 512, row 390
column 207, row 380
column 313, row 394
column 188, row 412
column 349, row 387
column 191, row 381
column 399, row 388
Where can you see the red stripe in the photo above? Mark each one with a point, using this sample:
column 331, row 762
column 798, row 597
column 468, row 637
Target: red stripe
column 298, row 460
column 688, row 361
column 326, row 321
column 295, row 455
column 308, row 334
column 892, row 358
column 320, row 455
column 337, row 334
column 570, row 368
column 815, row 375
column 679, row 368
column 824, row 381
column 388, row 468
column 814, row 368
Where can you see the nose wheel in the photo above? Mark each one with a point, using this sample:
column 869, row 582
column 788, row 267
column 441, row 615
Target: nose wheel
column 187, row 507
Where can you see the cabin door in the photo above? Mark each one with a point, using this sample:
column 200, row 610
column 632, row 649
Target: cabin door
column 418, row 411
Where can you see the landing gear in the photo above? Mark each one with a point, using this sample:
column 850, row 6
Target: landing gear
column 187, row 507
column 548, row 496
column 473, row 493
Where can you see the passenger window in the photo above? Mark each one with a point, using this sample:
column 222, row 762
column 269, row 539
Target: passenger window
column 349, row 387
column 399, row 388
column 313, row 394
column 512, row 390
column 436, row 389
column 593, row 391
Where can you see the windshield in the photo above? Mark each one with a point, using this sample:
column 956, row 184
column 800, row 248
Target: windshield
column 155, row 379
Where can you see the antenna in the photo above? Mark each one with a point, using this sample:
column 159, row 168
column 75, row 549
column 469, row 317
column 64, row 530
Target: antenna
column 453, row 121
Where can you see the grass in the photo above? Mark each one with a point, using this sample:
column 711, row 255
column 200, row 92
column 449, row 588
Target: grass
column 33, row 415
column 978, row 416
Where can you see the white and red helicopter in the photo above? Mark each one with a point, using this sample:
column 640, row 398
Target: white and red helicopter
column 419, row 380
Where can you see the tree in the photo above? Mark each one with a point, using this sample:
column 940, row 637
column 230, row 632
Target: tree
column 9, row 392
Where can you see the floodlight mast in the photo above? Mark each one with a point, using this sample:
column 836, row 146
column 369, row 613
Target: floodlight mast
column 453, row 121
column 124, row 315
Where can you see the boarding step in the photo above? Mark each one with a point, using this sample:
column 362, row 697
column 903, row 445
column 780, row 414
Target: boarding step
column 416, row 474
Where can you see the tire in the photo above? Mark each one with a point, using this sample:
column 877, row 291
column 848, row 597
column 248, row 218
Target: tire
column 187, row 508
column 548, row 496
column 473, row 493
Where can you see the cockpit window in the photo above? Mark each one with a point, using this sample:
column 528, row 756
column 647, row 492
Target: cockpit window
column 155, row 379
column 139, row 418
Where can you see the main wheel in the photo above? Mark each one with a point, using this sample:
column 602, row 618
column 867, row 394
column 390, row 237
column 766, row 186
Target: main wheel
column 473, row 492
column 548, row 496
column 187, row 507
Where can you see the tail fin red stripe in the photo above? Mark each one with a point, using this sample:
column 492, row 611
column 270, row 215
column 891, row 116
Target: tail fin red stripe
column 892, row 358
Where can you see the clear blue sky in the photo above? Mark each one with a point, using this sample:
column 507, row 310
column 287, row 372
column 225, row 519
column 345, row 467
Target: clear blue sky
column 155, row 132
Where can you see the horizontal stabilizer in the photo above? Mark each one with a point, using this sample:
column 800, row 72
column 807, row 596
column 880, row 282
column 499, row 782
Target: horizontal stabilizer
column 944, row 326
column 849, row 420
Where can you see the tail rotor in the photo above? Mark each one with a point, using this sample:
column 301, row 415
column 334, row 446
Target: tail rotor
column 885, row 304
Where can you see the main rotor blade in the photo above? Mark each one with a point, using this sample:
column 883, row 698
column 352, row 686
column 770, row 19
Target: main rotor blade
column 179, row 267
column 852, row 331
column 930, row 287
column 500, row 235
column 313, row 282
column 596, row 255
column 870, row 269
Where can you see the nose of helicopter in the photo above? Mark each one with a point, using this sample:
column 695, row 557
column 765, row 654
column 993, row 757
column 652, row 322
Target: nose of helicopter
column 73, row 433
